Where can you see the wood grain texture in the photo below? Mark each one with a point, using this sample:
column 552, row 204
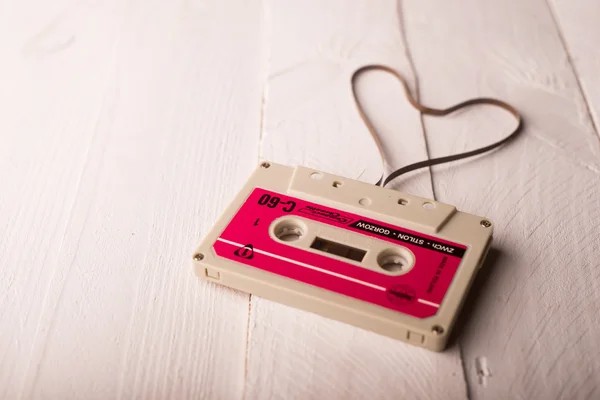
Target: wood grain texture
column 310, row 120
column 577, row 22
column 126, row 128
column 532, row 332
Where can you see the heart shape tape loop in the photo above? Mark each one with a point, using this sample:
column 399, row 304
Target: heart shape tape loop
column 434, row 112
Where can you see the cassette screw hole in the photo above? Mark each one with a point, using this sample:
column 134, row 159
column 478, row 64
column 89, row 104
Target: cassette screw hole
column 198, row 257
column 428, row 206
column 288, row 232
column 403, row 202
column 437, row 330
column 485, row 223
column 316, row 175
column 265, row 165
column 337, row 184
column 365, row 201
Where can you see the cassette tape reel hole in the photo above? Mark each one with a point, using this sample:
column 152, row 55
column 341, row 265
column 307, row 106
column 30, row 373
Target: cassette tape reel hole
column 289, row 230
column 395, row 261
column 403, row 202
column 316, row 175
column 337, row 184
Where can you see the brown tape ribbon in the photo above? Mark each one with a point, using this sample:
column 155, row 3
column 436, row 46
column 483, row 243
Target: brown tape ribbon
column 434, row 112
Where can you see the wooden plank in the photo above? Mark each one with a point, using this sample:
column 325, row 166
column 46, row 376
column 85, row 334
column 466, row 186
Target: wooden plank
column 126, row 129
column 577, row 23
column 532, row 331
column 310, row 120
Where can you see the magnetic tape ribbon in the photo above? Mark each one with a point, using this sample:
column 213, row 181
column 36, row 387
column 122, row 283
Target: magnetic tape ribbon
column 434, row 112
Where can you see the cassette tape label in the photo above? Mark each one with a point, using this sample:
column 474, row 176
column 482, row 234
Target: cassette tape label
column 418, row 292
column 416, row 240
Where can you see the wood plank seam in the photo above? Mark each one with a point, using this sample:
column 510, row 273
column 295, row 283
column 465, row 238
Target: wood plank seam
column 564, row 153
column 29, row 385
column 265, row 46
column 573, row 68
column 411, row 64
column 266, row 69
column 306, row 105
column 247, row 344
column 536, row 194
column 413, row 71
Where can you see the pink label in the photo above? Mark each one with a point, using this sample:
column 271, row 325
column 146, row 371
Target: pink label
column 418, row 293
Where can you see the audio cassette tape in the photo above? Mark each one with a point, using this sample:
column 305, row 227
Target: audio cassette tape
column 393, row 263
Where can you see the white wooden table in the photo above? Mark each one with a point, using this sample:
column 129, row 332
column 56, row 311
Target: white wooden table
column 126, row 127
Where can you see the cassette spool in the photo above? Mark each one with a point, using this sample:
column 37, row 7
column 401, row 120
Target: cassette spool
column 393, row 263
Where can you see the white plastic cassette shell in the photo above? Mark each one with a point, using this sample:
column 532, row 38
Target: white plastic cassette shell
column 383, row 203
column 442, row 221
